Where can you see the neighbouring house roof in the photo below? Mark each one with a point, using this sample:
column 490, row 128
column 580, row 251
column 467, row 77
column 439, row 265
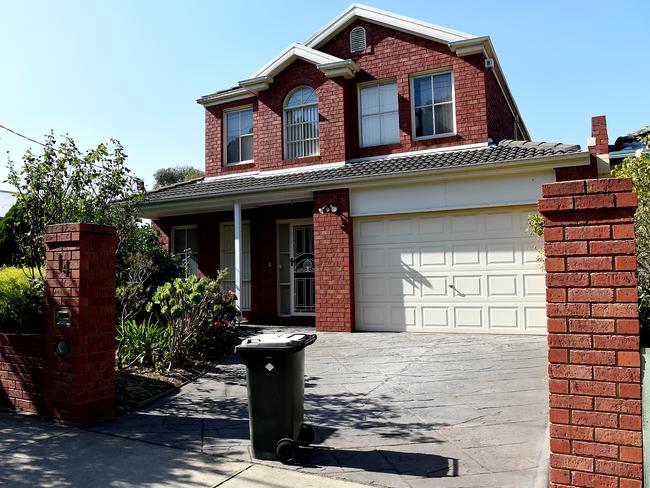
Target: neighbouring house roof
column 360, row 170
column 6, row 201
column 461, row 43
column 629, row 145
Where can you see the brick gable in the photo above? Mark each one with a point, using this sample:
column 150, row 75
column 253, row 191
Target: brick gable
column 481, row 109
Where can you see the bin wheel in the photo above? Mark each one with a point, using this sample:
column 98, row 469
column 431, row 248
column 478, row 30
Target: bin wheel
column 306, row 435
column 286, row 450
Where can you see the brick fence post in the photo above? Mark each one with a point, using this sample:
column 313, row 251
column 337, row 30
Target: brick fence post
column 80, row 284
column 334, row 285
column 593, row 333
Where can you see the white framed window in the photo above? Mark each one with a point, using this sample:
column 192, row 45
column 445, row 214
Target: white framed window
column 433, row 108
column 238, row 135
column 227, row 260
column 301, row 126
column 378, row 114
column 185, row 243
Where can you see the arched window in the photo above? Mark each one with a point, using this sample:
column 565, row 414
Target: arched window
column 301, row 134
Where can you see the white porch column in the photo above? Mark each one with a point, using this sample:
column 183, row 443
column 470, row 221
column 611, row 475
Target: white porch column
column 238, row 240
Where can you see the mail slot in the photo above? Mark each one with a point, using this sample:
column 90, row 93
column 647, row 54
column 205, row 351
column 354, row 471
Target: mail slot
column 62, row 317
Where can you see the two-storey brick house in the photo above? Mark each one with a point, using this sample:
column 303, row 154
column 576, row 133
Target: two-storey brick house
column 375, row 177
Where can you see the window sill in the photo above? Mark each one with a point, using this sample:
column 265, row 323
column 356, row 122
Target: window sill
column 436, row 136
column 305, row 159
column 240, row 163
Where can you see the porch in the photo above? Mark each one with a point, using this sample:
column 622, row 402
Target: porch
column 272, row 252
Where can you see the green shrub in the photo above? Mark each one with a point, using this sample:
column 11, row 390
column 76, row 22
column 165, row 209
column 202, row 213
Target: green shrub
column 141, row 269
column 188, row 306
column 638, row 168
column 143, row 344
column 22, row 301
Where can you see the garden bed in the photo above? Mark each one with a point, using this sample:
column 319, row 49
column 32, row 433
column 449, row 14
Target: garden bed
column 138, row 387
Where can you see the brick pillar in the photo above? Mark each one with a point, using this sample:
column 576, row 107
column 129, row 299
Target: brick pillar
column 333, row 261
column 80, row 279
column 593, row 326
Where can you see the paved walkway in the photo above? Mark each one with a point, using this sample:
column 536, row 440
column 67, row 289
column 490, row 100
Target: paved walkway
column 36, row 453
column 396, row 410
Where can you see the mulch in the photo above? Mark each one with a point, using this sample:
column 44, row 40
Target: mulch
column 138, row 387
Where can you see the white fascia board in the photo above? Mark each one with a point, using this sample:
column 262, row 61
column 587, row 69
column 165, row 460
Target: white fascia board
column 484, row 45
column 294, row 51
column 256, row 85
column 387, row 19
column 225, row 97
column 346, row 68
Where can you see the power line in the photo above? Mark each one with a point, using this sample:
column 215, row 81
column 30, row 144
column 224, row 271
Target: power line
column 21, row 135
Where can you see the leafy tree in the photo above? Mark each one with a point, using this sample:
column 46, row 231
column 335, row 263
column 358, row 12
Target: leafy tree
column 177, row 174
column 638, row 168
column 63, row 184
column 9, row 225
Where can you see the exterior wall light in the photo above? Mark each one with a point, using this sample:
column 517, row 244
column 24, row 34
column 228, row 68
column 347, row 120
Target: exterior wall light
column 329, row 208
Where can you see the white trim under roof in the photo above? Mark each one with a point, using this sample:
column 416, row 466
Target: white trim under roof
column 330, row 65
column 387, row 19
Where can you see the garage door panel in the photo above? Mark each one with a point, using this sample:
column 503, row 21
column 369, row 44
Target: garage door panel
column 435, row 317
column 534, row 285
column 535, row 319
column 501, row 253
column 502, row 285
column 466, row 254
column 467, row 286
column 463, row 271
column 468, row 317
column 503, row 317
column 434, row 286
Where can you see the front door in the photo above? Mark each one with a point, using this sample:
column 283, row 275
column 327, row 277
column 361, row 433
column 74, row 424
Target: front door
column 296, row 268
column 302, row 269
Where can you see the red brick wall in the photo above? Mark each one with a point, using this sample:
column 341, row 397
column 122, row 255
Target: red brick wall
column 391, row 54
column 501, row 122
column 21, row 371
column 268, row 140
column 594, row 370
column 333, row 260
column 394, row 54
column 80, row 385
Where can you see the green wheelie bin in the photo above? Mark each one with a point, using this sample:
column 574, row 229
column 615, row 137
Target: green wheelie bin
column 275, row 366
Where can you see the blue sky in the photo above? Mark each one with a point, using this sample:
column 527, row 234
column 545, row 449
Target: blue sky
column 133, row 69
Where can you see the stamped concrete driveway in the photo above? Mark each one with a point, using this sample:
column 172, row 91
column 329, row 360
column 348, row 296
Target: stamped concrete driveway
column 396, row 410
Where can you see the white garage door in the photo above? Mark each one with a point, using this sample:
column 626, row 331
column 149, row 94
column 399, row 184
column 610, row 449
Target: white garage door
column 468, row 271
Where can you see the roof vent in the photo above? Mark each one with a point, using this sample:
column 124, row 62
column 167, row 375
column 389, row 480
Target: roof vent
column 357, row 39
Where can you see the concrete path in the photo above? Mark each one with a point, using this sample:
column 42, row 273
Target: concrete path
column 395, row 410
column 38, row 453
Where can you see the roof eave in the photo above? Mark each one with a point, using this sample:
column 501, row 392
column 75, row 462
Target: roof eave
column 531, row 164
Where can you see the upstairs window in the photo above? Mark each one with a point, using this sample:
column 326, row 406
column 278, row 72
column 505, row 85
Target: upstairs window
column 379, row 118
column 357, row 39
column 301, row 131
column 433, row 105
column 239, row 136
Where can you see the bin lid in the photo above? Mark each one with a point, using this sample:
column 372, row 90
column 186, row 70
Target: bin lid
column 276, row 342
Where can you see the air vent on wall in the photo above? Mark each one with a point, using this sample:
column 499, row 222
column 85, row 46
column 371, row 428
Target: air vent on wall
column 357, row 39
